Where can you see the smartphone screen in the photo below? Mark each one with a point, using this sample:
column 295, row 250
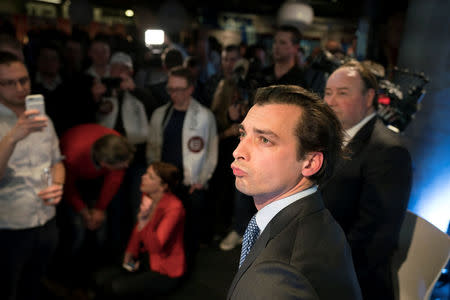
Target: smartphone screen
column 130, row 266
column 35, row 102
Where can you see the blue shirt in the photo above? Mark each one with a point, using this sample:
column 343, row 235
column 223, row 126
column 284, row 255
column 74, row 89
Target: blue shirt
column 20, row 206
column 268, row 212
column 172, row 151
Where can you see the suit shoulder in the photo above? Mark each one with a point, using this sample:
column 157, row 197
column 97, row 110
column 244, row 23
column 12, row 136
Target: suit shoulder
column 386, row 138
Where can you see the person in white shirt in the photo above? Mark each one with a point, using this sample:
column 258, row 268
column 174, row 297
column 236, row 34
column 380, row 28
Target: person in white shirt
column 29, row 149
column 183, row 132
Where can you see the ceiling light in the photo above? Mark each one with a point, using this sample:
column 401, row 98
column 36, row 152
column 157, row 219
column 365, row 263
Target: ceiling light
column 295, row 12
column 129, row 13
column 154, row 37
column 51, row 1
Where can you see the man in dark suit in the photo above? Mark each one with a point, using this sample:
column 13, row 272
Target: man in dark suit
column 368, row 193
column 289, row 143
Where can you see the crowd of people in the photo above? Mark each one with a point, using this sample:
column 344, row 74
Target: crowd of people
column 139, row 147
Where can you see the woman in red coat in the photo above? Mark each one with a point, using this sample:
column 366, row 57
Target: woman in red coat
column 154, row 258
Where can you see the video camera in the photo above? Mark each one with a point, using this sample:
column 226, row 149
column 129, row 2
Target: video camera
column 399, row 99
column 327, row 61
column 246, row 87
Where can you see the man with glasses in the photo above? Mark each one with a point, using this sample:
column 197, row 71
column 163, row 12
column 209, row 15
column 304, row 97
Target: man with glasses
column 28, row 150
column 183, row 132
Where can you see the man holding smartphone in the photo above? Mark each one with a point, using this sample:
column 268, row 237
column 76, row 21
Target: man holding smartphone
column 28, row 146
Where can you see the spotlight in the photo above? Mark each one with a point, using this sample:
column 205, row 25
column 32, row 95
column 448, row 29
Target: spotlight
column 154, row 37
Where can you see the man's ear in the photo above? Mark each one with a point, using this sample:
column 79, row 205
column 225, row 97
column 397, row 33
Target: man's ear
column 312, row 163
column 191, row 89
column 370, row 97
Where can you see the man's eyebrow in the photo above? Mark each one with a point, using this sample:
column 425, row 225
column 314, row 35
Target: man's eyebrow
column 261, row 131
column 265, row 132
column 342, row 88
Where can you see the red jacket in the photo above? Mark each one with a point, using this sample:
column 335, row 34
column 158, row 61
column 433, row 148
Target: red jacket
column 76, row 144
column 162, row 238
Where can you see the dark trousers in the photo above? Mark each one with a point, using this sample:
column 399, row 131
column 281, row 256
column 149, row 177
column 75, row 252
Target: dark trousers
column 117, row 283
column 124, row 207
column 195, row 225
column 25, row 255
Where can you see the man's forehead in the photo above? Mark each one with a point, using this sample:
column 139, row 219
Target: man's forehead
column 345, row 76
column 272, row 117
column 230, row 54
column 14, row 67
column 177, row 79
column 120, row 66
column 283, row 35
column 350, row 72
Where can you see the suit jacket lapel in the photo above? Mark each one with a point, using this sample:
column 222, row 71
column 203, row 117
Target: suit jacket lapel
column 259, row 245
column 298, row 209
column 361, row 138
column 356, row 144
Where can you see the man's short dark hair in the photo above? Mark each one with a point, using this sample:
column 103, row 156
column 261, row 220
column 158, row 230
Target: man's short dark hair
column 191, row 62
column 184, row 73
column 231, row 48
column 50, row 45
column 296, row 35
column 112, row 149
column 171, row 58
column 369, row 80
column 101, row 38
column 7, row 58
column 10, row 42
column 318, row 128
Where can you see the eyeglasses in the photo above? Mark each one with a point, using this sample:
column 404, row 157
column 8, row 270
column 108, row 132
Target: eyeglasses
column 171, row 90
column 9, row 83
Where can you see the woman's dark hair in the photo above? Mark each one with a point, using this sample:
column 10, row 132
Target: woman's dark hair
column 168, row 173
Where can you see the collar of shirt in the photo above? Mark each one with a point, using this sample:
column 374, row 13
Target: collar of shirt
column 51, row 86
column 5, row 111
column 350, row 133
column 268, row 212
column 91, row 71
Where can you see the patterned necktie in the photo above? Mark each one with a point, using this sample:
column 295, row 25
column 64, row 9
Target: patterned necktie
column 250, row 236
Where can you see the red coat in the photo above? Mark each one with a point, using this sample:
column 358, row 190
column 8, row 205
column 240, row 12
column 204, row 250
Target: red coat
column 76, row 144
column 162, row 238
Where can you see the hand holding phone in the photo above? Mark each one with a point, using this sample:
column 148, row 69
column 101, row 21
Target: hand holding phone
column 129, row 263
column 33, row 119
column 130, row 266
column 35, row 102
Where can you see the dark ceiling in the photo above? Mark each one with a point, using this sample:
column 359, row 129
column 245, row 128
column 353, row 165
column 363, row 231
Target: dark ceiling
column 322, row 8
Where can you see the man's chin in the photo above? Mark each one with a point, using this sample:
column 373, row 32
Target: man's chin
column 242, row 187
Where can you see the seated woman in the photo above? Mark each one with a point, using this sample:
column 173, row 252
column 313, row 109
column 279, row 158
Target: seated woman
column 154, row 259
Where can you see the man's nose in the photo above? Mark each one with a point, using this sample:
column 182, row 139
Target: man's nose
column 241, row 151
column 20, row 86
column 329, row 99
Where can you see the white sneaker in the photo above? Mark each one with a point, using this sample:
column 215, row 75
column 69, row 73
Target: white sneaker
column 232, row 240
